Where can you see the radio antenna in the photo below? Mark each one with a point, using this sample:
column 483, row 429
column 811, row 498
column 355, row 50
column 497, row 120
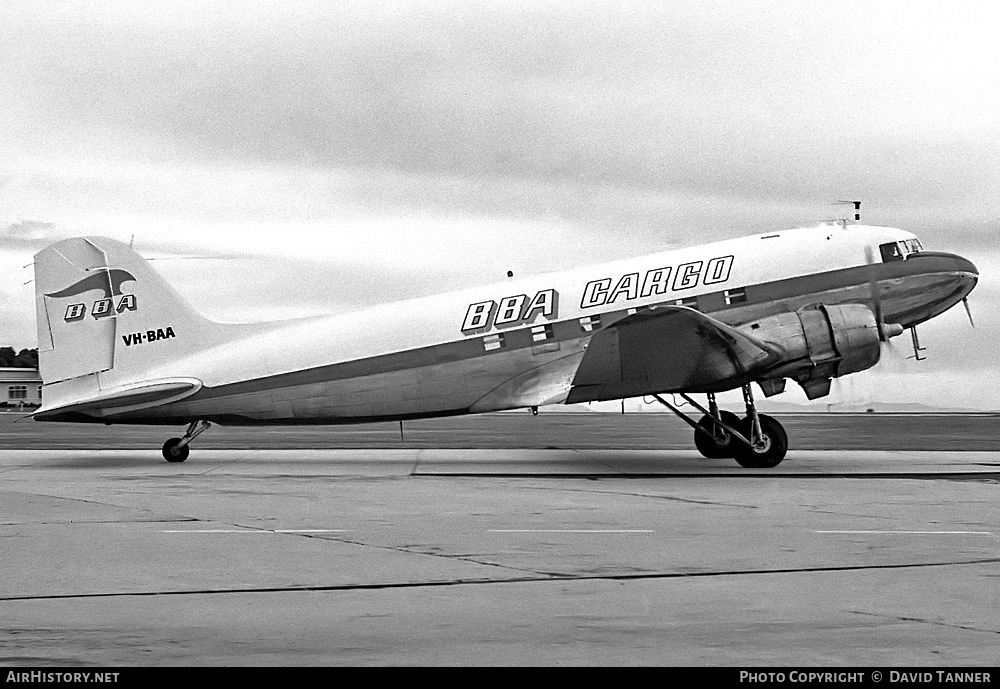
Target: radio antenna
column 857, row 209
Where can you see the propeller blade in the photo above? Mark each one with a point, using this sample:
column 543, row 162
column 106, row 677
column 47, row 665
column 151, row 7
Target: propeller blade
column 895, row 353
column 875, row 295
column 886, row 331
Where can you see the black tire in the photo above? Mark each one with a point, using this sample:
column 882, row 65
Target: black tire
column 775, row 444
column 706, row 441
column 172, row 453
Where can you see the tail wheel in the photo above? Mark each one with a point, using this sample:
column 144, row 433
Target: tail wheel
column 173, row 451
column 771, row 450
column 714, row 442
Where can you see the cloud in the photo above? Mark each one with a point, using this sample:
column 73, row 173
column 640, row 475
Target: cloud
column 598, row 113
column 23, row 235
column 768, row 102
column 391, row 148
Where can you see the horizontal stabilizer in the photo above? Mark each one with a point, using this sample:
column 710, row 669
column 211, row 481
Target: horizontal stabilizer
column 125, row 399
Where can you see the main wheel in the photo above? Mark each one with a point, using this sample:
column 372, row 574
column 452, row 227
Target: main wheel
column 771, row 451
column 709, row 444
column 173, row 453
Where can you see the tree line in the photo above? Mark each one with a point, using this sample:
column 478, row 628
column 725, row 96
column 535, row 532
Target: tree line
column 26, row 358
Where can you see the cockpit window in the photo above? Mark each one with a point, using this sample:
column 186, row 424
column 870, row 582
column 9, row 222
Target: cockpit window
column 897, row 251
column 890, row 252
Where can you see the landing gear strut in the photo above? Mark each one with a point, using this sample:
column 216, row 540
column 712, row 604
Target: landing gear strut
column 758, row 441
column 711, row 437
column 768, row 440
column 176, row 449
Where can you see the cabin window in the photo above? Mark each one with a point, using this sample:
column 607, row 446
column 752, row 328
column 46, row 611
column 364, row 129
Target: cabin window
column 540, row 333
column 736, row 296
column 17, row 392
column 492, row 342
column 890, row 252
column 691, row 302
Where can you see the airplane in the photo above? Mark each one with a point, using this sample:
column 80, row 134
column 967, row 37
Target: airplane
column 117, row 344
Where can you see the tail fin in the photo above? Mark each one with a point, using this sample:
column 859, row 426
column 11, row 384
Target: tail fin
column 104, row 316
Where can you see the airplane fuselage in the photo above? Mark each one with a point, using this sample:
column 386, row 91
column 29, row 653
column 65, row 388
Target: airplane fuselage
column 519, row 343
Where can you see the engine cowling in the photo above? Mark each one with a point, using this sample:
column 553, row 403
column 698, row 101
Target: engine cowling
column 819, row 343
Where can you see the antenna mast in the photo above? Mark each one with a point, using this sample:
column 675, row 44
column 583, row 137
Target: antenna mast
column 857, row 212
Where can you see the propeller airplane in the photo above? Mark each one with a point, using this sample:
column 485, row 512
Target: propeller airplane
column 117, row 344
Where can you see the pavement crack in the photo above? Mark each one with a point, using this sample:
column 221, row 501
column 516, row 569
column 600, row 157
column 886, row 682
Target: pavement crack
column 842, row 513
column 104, row 503
column 639, row 494
column 939, row 623
column 419, row 550
column 542, row 577
column 66, row 522
column 416, row 462
column 408, row 549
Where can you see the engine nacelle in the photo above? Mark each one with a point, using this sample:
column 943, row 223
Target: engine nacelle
column 819, row 343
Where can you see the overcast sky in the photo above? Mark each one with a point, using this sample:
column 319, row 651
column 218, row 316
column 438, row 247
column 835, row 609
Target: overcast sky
column 322, row 156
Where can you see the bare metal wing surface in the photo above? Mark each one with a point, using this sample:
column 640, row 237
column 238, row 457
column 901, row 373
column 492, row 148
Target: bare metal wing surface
column 117, row 344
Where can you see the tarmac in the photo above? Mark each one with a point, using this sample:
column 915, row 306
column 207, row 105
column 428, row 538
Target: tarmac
column 498, row 557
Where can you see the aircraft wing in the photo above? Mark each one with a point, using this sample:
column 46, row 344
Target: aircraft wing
column 668, row 349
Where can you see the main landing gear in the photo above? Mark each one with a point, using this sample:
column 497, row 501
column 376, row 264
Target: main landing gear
column 757, row 441
column 176, row 449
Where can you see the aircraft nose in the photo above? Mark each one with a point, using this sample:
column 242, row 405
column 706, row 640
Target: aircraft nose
column 941, row 262
column 936, row 282
column 967, row 270
column 964, row 265
column 971, row 267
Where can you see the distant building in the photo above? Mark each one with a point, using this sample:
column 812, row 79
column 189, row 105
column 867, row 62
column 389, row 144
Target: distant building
column 20, row 388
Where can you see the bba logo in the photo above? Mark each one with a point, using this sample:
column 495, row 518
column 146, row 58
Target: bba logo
column 109, row 282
